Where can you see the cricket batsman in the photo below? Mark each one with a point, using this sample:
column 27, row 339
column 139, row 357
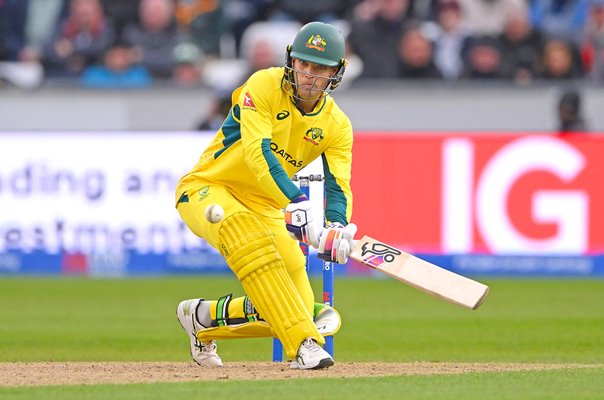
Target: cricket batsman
column 281, row 119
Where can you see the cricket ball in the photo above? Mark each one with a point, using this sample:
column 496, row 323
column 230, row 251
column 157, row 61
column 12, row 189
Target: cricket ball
column 214, row 213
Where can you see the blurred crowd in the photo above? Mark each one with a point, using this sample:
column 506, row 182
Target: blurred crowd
column 138, row 43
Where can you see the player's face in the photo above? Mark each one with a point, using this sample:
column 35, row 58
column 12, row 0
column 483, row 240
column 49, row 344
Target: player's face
column 311, row 79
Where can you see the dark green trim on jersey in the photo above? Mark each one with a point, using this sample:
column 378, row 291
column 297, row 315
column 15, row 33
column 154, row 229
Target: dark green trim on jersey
column 183, row 198
column 320, row 108
column 285, row 184
column 335, row 208
column 324, row 101
column 231, row 129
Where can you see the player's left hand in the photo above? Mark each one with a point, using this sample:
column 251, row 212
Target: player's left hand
column 337, row 242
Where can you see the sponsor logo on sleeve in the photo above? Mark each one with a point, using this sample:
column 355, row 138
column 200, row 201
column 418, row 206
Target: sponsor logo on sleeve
column 248, row 102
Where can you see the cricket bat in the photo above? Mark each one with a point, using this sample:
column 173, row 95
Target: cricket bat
column 420, row 274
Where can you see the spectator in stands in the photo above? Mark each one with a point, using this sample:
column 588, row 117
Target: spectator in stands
column 221, row 106
column 121, row 13
column 425, row 10
column 2, row 30
column 262, row 56
column 30, row 24
column 354, row 69
column 593, row 42
column 449, row 39
column 204, row 21
column 416, row 55
column 186, row 70
column 240, row 14
column 118, row 70
column 522, row 47
column 487, row 17
column 561, row 61
column 155, row 37
column 570, row 118
column 79, row 40
column 304, row 11
column 375, row 32
column 559, row 18
column 482, row 58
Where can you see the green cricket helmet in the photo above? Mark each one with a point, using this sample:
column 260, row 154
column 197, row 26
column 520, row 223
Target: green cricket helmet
column 321, row 44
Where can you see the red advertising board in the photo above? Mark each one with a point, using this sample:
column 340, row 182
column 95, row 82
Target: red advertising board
column 481, row 193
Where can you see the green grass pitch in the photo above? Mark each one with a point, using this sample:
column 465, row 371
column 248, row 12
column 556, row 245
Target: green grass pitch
column 522, row 321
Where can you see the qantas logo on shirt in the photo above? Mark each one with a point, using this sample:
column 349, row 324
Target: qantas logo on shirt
column 248, row 102
column 287, row 157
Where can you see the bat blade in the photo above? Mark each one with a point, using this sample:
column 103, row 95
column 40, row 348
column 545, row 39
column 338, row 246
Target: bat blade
column 419, row 273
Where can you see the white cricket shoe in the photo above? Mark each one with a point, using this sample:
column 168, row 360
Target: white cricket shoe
column 311, row 356
column 204, row 353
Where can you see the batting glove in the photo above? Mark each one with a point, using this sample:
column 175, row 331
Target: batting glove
column 299, row 222
column 337, row 242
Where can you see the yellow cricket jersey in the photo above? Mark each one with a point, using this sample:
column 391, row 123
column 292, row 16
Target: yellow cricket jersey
column 265, row 140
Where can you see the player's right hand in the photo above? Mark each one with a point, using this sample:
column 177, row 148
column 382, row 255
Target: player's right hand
column 337, row 242
column 299, row 222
